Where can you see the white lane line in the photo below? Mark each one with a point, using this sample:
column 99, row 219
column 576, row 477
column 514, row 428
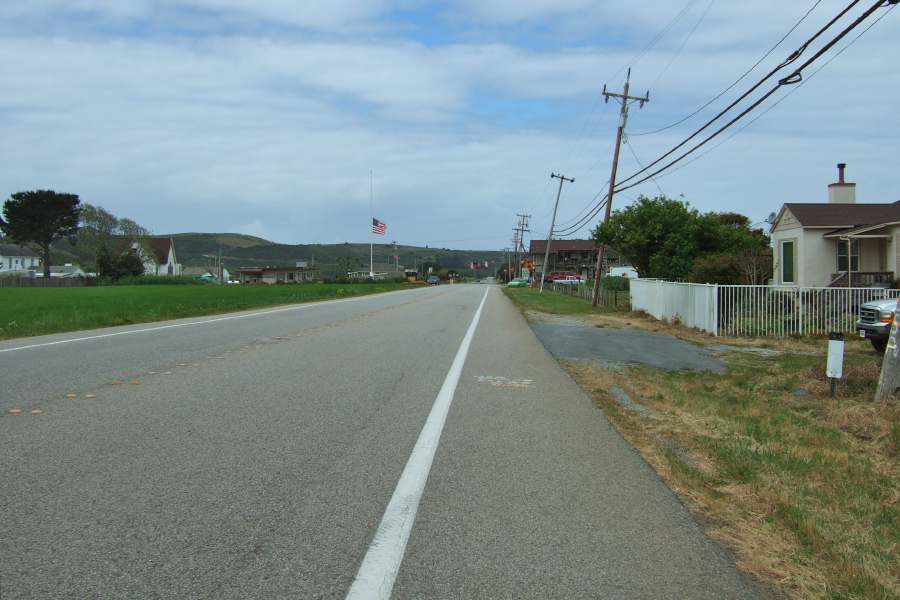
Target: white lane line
column 205, row 322
column 376, row 575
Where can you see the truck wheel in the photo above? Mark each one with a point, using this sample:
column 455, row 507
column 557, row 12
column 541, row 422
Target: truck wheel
column 879, row 345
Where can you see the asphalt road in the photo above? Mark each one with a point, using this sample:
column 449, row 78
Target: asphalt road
column 260, row 457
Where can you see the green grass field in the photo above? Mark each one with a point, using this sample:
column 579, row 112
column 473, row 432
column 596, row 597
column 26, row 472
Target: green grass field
column 28, row 312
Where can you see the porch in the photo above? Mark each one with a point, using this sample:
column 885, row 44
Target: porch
column 878, row 279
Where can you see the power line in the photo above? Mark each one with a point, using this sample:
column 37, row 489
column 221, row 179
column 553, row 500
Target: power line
column 578, row 222
column 657, row 37
column 627, row 143
column 774, row 104
column 794, row 77
column 581, row 134
column 739, row 79
column 623, row 119
column 683, row 44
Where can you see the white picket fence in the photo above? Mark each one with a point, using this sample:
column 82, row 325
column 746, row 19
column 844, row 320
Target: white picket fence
column 754, row 310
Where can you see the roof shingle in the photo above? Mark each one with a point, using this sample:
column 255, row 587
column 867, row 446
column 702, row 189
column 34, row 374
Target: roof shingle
column 843, row 215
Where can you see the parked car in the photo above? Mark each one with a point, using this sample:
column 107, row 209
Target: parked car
column 517, row 282
column 875, row 320
column 554, row 275
column 434, row 280
column 570, row 280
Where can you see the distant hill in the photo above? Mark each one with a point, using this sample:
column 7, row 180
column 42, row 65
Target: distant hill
column 237, row 250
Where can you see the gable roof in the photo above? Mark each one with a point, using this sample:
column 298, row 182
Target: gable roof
column 842, row 215
column 67, row 271
column 13, row 250
column 160, row 247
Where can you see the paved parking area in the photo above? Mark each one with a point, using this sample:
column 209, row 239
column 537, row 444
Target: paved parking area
column 585, row 342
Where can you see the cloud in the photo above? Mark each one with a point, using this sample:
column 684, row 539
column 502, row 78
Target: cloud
column 272, row 117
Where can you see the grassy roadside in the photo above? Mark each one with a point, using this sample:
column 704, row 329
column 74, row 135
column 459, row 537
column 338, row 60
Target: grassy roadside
column 802, row 488
column 28, row 312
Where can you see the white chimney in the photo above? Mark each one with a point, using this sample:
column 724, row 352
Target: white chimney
column 842, row 192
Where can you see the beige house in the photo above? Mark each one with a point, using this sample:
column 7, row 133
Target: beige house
column 838, row 243
column 276, row 274
column 381, row 270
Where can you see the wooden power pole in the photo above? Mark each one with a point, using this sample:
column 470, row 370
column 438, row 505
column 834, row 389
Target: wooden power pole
column 623, row 117
column 889, row 380
column 544, row 269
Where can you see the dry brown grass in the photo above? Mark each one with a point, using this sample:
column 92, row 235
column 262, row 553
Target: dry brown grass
column 802, row 488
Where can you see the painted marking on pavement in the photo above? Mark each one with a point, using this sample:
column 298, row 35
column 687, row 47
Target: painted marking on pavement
column 376, row 576
column 504, row 382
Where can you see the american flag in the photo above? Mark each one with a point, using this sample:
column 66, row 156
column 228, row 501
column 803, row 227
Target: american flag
column 378, row 227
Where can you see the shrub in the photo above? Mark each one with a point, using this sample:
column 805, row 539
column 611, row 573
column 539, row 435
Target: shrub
column 722, row 269
column 615, row 283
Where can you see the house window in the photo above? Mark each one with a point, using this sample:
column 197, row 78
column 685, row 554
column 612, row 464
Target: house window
column 787, row 262
column 280, row 276
column 845, row 248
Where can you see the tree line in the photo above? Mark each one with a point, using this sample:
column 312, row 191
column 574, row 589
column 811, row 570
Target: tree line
column 113, row 245
column 661, row 237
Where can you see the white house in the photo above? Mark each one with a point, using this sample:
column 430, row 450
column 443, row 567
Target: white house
column 15, row 259
column 838, row 243
column 159, row 259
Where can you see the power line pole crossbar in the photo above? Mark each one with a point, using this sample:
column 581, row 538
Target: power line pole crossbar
column 562, row 179
column 519, row 240
column 623, row 117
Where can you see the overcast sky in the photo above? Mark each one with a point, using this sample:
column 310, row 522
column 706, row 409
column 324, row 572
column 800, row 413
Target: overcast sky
column 288, row 119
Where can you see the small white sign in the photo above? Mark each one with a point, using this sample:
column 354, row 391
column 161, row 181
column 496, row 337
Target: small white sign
column 835, row 366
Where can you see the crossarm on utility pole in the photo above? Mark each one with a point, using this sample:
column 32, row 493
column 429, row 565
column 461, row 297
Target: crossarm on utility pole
column 623, row 117
column 562, row 178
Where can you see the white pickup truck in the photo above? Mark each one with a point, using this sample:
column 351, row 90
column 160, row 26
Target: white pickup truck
column 570, row 280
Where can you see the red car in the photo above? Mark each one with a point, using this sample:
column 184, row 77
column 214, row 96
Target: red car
column 554, row 275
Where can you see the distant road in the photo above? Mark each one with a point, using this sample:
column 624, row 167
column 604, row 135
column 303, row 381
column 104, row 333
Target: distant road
column 277, row 453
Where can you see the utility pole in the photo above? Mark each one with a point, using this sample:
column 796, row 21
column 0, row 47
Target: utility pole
column 519, row 240
column 562, row 179
column 623, row 118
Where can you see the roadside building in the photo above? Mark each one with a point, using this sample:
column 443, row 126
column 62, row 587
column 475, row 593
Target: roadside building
column 270, row 275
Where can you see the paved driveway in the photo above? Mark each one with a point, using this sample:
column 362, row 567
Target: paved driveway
column 569, row 339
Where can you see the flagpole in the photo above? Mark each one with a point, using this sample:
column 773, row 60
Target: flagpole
column 371, row 220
